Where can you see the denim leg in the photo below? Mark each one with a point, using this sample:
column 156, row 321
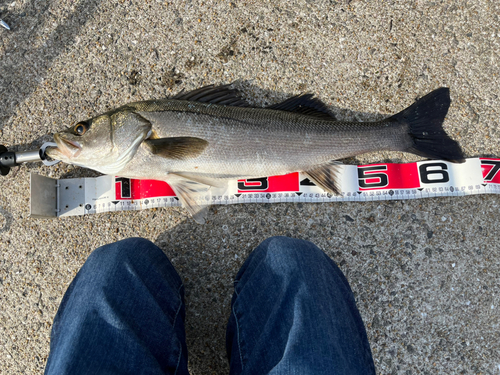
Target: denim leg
column 122, row 314
column 293, row 312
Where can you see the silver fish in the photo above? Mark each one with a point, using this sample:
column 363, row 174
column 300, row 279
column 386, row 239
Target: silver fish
column 209, row 136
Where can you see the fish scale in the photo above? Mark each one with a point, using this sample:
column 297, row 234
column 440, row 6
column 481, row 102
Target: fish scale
column 254, row 142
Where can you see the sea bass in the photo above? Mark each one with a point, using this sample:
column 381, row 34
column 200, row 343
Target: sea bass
column 209, row 136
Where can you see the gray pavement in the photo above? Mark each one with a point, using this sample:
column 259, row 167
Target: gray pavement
column 425, row 273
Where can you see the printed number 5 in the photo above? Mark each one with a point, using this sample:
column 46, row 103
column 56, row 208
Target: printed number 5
column 365, row 174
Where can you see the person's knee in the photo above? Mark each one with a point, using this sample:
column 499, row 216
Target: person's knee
column 289, row 253
column 120, row 252
column 286, row 247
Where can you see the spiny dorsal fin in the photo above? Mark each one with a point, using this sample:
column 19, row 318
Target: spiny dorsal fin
column 327, row 176
column 177, row 147
column 306, row 105
column 223, row 95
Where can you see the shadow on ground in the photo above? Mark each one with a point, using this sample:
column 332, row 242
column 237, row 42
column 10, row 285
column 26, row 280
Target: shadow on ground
column 19, row 79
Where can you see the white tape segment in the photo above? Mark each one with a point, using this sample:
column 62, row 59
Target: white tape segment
column 426, row 179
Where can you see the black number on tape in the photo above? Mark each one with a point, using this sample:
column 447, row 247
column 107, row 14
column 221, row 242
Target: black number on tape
column 262, row 181
column 493, row 171
column 430, row 175
column 124, row 186
column 383, row 179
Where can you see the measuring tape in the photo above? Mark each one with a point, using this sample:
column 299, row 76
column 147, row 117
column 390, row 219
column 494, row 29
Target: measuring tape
column 373, row 182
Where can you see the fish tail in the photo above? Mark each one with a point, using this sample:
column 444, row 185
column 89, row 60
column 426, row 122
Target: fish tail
column 425, row 120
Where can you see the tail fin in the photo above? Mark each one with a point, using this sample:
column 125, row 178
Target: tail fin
column 425, row 119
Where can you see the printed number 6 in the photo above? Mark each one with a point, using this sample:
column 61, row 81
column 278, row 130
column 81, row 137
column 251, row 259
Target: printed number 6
column 434, row 175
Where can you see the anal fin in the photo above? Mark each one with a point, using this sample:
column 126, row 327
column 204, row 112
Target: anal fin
column 193, row 196
column 198, row 177
column 327, row 176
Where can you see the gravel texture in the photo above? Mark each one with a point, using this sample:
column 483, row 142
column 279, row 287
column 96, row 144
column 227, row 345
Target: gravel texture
column 425, row 273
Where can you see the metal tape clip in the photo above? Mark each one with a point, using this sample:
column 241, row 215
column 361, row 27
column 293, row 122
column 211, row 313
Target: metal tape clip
column 44, row 157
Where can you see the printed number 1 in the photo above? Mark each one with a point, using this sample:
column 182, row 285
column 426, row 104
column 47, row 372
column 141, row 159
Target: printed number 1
column 124, row 186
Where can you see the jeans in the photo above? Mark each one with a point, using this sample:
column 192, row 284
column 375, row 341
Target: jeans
column 292, row 312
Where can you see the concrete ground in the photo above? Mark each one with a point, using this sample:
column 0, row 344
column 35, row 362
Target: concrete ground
column 425, row 273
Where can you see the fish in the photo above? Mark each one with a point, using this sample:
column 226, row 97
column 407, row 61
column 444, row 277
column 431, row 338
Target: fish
column 206, row 137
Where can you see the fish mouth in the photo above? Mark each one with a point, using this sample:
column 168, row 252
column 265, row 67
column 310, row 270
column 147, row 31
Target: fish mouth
column 70, row 149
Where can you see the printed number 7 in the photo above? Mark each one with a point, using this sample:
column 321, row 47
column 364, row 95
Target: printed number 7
column 493, row 171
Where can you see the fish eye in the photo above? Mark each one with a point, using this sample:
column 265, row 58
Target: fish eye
column 81, row 128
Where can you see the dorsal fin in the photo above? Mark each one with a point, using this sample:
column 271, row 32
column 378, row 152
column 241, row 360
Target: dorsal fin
column 223, row 95
column 306, row 105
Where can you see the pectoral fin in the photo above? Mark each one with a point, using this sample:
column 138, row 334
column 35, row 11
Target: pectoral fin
column 327, row 176
column 195, row 197
column 176, row 147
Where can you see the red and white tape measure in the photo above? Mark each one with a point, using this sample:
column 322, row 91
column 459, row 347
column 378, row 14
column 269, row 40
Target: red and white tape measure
column 382, row 181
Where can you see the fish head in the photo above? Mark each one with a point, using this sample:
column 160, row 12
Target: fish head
column 105, row 143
